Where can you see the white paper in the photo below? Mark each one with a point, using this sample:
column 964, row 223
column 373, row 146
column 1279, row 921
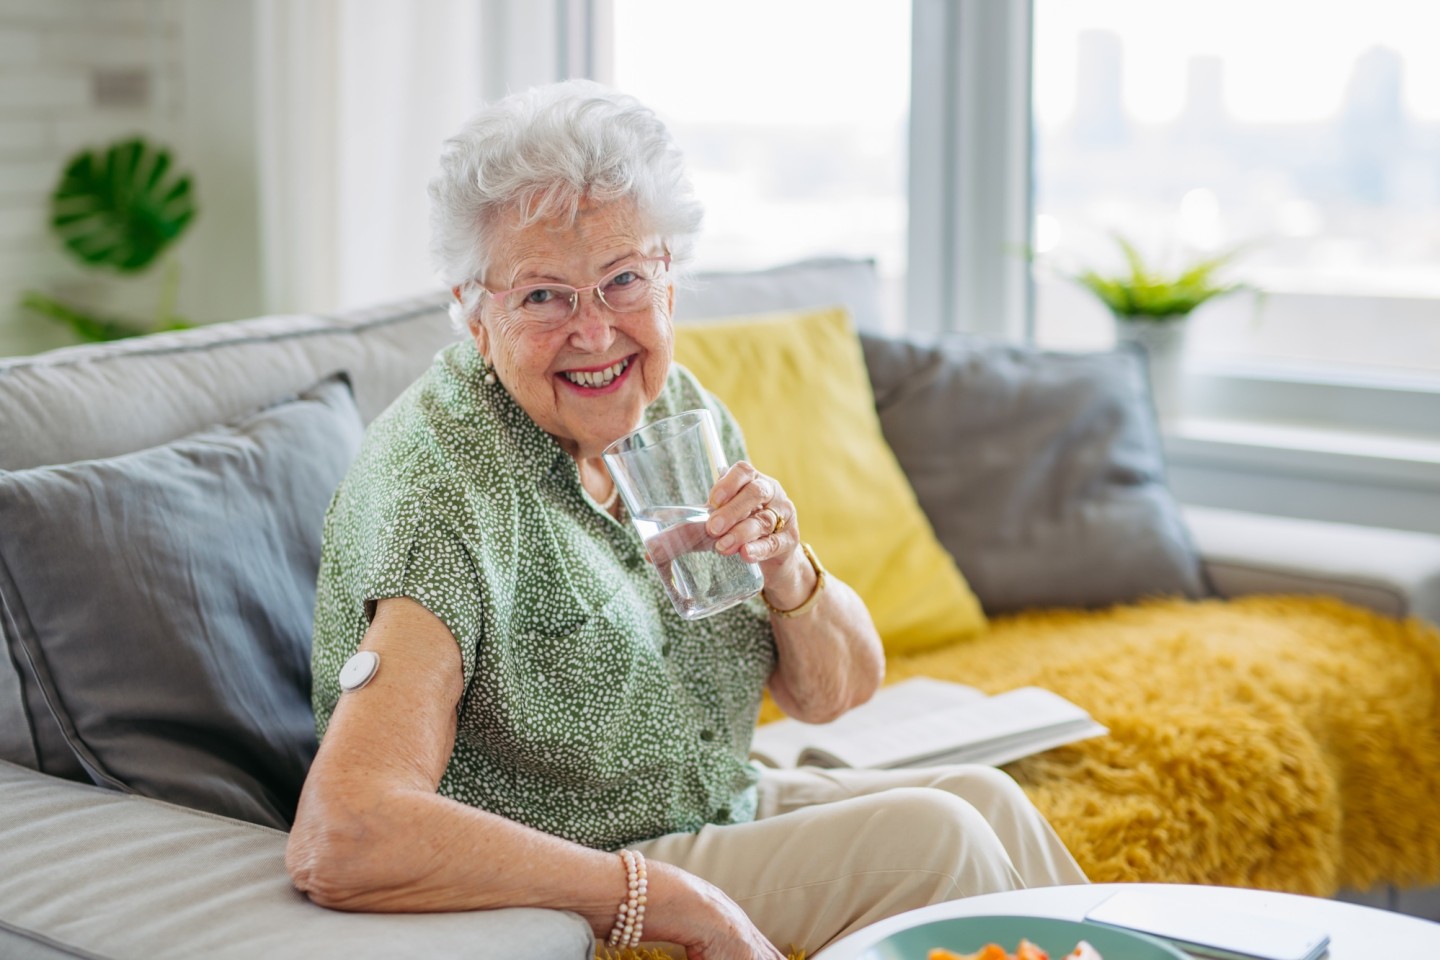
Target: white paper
column 925, row 722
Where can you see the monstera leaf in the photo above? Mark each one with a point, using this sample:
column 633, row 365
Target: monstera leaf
column 123, row 207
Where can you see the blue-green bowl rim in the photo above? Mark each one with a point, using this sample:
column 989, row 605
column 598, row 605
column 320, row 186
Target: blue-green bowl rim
column 1104, row 930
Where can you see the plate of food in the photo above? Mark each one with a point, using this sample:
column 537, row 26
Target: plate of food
column 1018, row 938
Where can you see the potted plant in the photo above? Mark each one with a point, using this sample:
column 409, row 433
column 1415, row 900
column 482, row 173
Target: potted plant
column 118, row 209
column 1152, row 309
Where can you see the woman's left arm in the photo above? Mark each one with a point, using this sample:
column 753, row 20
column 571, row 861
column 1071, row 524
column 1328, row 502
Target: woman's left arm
column 829, row 657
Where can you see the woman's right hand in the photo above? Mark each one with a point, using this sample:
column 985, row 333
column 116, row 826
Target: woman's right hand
column 696, row 914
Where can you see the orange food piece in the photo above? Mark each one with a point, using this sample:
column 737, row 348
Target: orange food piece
column 1028, row 951
column 991, row 951
column 1025, row 951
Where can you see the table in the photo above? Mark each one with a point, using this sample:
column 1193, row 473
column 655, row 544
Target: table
column 1356, row 932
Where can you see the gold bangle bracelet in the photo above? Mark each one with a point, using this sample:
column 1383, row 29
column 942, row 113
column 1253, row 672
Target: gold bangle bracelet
column 811, row 600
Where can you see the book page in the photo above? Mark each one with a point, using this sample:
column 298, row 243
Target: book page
column 1006, row 726
column 994, row 753
column 780, row 744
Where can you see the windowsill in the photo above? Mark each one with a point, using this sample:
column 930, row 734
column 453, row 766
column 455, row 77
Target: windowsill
column 1314, row 409
column 1304, row 442
column 1305, row 450
column 1297, row 372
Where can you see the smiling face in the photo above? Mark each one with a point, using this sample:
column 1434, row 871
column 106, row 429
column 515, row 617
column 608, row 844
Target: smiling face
column 587, row 381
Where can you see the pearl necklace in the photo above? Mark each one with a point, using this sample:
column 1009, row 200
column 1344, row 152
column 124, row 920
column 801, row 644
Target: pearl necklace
column 610, row 501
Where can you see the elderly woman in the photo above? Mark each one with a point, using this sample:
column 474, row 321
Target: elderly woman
column 542, row 728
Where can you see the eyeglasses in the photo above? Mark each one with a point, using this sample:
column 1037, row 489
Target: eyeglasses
column 625, row 289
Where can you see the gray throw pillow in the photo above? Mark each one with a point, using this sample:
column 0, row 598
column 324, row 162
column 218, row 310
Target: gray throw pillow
column 164, row 600
column 1042, row 473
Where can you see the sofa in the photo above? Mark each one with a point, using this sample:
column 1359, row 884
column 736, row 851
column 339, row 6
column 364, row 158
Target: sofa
column 160, row 501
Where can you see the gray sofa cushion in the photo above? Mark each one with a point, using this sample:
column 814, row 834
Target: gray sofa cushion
column 1042, row 473
column 92, row 873
column 163, row 600
column 103, row 400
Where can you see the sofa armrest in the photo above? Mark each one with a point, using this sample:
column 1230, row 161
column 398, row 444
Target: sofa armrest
column 1395, row 572
column 86, row 872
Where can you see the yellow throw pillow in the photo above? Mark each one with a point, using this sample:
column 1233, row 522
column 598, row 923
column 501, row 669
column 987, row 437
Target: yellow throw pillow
column 797, row 384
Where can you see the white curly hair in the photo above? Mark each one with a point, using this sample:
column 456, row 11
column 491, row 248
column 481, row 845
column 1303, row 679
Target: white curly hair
column 542, row 152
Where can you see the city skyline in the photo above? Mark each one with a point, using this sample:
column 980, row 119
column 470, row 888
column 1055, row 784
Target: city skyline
column 1284, row 61
column 1375, row 88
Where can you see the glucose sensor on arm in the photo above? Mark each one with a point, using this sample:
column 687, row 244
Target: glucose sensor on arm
column 358, row 670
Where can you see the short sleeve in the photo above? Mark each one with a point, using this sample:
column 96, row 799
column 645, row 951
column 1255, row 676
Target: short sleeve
column 419, row 555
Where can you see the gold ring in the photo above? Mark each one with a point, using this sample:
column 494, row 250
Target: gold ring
column 779, row 521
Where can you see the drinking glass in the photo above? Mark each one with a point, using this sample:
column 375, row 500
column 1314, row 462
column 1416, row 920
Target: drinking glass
column 664, row 472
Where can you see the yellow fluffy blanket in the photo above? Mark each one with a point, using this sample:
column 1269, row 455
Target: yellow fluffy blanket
column 1284, row 743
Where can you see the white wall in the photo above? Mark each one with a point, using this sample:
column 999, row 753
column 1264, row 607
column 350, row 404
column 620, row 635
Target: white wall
column 194, row 67
column 50, row 54
column 221, row 253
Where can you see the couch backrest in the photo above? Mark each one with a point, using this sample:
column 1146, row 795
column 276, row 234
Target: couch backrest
column 85, row 402
column 821, row 282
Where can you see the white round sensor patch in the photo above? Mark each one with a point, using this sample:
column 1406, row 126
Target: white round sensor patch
column 358, row 670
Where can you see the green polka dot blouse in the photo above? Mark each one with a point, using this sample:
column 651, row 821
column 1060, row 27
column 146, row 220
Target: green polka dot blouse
column 590, row 709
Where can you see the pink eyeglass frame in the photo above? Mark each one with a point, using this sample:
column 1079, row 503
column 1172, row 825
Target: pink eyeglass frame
column 575, row 292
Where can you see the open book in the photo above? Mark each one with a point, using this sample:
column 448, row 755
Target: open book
column 923, row 722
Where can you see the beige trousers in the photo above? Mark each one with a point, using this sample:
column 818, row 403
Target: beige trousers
column 831, row 851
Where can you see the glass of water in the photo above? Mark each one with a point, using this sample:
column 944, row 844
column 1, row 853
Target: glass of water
column 664, row 472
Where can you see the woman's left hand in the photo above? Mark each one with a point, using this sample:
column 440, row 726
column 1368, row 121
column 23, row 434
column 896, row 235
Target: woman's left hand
column 751, row 515
column 829, row 657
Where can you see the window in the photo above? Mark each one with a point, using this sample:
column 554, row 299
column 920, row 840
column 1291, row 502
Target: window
column 1308, row 133
column 793, row 118
column 1312, row 130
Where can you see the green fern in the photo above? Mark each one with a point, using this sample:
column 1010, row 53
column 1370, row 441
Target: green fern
column 1144, row 293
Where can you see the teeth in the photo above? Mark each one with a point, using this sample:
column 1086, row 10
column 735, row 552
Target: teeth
column 599, row 378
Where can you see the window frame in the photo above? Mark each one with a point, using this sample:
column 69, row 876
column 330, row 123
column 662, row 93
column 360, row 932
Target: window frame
column 971, row 200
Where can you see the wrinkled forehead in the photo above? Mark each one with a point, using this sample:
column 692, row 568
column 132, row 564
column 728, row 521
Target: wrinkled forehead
column 567, row 245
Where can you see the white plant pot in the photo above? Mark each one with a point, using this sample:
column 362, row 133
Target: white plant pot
column 1163, row 341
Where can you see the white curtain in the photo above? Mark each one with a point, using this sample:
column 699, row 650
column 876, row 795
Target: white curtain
column 355, row 98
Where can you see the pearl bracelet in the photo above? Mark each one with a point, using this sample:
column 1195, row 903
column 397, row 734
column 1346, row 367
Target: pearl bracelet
column 630, row 918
